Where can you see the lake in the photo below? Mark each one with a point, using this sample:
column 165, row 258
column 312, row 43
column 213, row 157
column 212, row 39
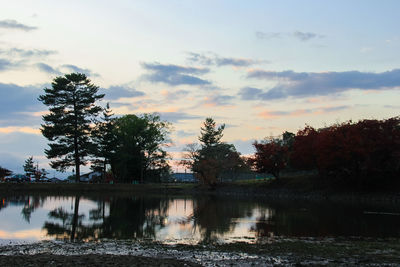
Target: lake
column 188, row 220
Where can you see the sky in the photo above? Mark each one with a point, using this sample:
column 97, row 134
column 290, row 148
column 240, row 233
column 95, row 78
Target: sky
column 260, row 67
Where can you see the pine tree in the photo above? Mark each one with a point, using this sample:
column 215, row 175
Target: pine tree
column 72, row 105
column 29, row 167
column 214, row 157
column 209, row 134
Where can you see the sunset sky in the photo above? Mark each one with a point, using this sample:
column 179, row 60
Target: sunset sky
column 260, row 67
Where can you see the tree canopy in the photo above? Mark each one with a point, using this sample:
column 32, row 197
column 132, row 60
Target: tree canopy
column 213, row 157
column 139, row 147
column 363, row 155
column 104, row 141
column 68, row 126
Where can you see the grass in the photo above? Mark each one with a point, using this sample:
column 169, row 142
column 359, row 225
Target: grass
column 83, row 188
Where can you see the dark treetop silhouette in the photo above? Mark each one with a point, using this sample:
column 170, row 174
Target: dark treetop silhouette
column 72, row 105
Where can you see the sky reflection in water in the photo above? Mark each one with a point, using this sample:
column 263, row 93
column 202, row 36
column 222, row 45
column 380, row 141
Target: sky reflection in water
column 186, row 220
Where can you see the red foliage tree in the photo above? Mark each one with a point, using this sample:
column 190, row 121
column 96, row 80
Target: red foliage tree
column 364, row 154
column 270, row 157
column 303, row 154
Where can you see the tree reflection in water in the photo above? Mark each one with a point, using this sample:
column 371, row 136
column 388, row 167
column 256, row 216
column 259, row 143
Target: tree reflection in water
column 30, row 206
column 71, row 226
column 215, row 216
column 210, row 219
column 128, row 218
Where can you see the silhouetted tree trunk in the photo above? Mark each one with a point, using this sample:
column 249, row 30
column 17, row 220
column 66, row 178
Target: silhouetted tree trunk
column 75, row 218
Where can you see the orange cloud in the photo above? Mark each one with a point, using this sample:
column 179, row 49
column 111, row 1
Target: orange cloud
column 13, row 129
column 171, row 109
column 300, row 112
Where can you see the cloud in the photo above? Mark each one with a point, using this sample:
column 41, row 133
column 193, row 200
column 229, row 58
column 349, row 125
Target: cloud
column 64, row 69
column 176, row 117
column 47, row 68
column 250, row 93
column 18, row 104
column 306, row 36
column 174, row 75
column 218, row 100
column 295, row 84
column 174, row 95
column 23, row 56
column 6, row 64
column 392, row 106
column 211, row 59
column 301, row 36
column 20, row 129
column 300, row 112
column 14, row 25
column 237, row 62
column 73, row 68
column 268, row 35
column 27, row 53
column 116, row 92
column 182, row 133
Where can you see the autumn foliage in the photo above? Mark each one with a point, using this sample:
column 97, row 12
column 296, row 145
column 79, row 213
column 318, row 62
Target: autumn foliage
column 270, row 157
column 361, row 155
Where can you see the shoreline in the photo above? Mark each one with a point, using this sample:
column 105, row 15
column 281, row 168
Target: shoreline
column 263, row 251
column 260, row 191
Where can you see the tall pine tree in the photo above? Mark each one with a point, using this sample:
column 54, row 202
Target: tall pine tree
column 104, row 141
column 72, row 105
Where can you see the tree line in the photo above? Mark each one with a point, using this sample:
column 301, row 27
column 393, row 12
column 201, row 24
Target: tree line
column 130, row 148
column 81, row 132
column 363, row 155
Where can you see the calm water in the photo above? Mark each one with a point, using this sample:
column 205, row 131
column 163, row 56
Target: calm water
column 186, row 220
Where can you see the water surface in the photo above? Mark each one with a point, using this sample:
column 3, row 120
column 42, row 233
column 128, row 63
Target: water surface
column 187, row 220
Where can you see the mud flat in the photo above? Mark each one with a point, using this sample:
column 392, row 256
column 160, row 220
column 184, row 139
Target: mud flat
column 267, row 252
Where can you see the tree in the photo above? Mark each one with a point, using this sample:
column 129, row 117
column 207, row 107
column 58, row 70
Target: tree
column 4, row 172
column 29, row 167
column 72, row 105
column 273, row 154
column 270, row 157
column 139, row 147
column 303, row 155
column 209, row 134
column 213, row 157
column 363, row 155
column 42, row 173
column 104, row 141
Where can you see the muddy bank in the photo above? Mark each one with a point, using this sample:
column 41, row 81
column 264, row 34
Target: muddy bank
column 90, row 260
column 276, row 251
